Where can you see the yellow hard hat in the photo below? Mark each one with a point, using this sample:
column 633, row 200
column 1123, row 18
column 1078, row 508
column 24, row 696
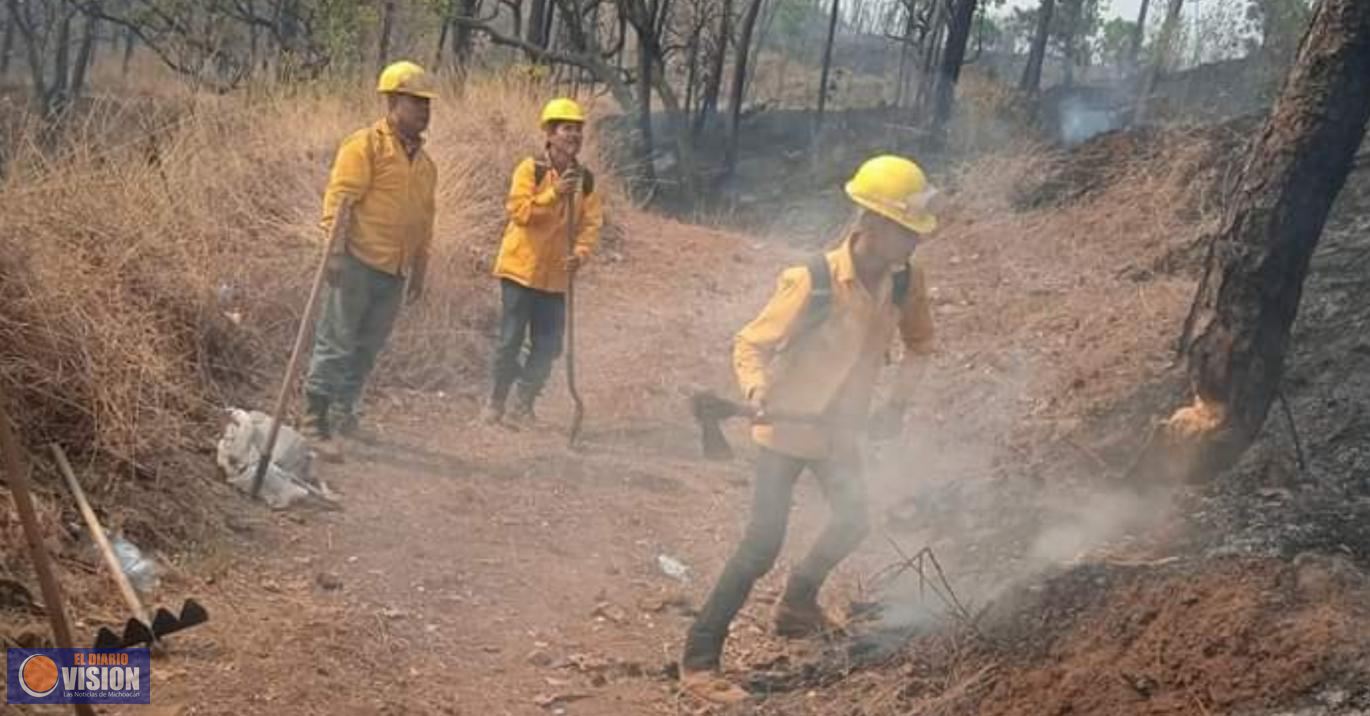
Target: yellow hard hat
column 895, row 188
column 407, row 78
column 562, row 109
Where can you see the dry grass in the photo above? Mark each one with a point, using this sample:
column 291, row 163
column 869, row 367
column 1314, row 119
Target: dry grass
column 126, row 246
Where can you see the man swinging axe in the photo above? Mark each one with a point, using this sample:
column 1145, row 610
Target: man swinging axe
column 390, row 181
column 535, row 264
column 811, row 359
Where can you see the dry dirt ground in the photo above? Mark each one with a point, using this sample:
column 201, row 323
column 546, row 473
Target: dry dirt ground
column 481, row 571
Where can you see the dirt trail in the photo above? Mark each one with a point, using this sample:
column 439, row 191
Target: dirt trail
column 480, row 571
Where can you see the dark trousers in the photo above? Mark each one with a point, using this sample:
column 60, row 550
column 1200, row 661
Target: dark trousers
column 359, row 311
column 537, row 317
column 774, row 488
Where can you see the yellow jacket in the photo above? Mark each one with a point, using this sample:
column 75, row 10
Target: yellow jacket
column 829, row 371
column 533, row 252
column 393, row 200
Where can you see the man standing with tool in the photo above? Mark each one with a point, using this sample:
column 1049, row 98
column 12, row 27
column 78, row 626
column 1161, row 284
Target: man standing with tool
column 808, row 366
column 544, row 244
column 382, row 256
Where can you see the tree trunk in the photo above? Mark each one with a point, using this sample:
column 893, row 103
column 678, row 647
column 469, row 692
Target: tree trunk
column 692, row 70
column 61, row 61
column 1032, row 73
column 130, row 41
column 443, row 32
column 537, row 20
column 1237, row 334
column 387, row 27
column 958, row 36
column 931, row 52
column 739, row 93
column 83, row 56
column 32, row 52
column 461, row 42
column 1134, row 50
column 827, row 66
column 644, row 107
column 7, row 44
column 1162, row 52
column 1073, row 7
column 714, row 84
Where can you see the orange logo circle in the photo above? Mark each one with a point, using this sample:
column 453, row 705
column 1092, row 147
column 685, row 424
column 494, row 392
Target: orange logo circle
column 38, row 676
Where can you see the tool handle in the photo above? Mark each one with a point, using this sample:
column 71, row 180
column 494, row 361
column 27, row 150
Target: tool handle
column 341, row 221
column 578, row 414
column 98, row 534
column 17, row 473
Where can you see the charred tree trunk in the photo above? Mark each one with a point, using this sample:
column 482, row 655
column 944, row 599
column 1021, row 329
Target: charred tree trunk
column 953, row 56
column 387, row 27
column 827, row 66
column 739, row 93
column 1237, row 334
column 1032, row 73
column 1134, row 50
column 1164, row 46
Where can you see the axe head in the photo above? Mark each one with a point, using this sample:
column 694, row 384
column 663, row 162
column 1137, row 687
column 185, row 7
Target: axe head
column 709, row 412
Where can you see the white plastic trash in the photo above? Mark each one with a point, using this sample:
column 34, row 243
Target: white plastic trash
column 241, row 447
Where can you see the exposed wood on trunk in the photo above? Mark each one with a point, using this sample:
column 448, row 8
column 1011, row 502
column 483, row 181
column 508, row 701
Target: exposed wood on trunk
column 1238, row 332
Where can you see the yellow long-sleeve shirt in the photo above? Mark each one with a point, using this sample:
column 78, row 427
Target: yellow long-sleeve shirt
column 393, row 199
column 831, row 369
column 535, row 246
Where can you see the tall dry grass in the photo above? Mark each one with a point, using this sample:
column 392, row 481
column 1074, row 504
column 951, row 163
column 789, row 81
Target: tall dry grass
column 154, row 258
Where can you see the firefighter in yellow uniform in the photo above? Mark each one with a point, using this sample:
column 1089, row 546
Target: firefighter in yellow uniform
column 537, row 257
column 390, row 180
column 814, row 353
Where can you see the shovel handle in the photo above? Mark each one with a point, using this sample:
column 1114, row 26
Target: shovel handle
column 341, row 219
column 97, row 533
column 17, row 474
column 578, row 405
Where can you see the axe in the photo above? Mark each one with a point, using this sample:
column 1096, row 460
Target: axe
column 710, row 411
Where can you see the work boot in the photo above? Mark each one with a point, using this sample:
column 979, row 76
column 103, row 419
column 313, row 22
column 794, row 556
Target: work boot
column 804, row 620
column 523, row 415
column 710, row 686
column 492, row 413
column 315, row 429
column 349, row 425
